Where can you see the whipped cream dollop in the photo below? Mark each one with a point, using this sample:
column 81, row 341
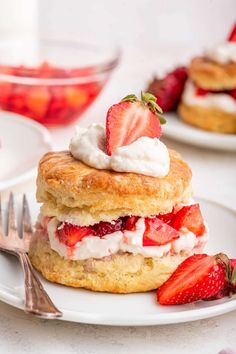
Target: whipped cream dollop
column 222, row 53
column 127, row 241
column 146, row 156
column 223, row 101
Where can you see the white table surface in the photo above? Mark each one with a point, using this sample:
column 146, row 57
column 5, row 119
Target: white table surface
column 214, row 178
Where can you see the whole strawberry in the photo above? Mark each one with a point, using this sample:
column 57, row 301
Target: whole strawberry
column 199, row 277
column 168, row 90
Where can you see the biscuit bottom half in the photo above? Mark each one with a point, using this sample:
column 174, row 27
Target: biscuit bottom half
column 119, row 273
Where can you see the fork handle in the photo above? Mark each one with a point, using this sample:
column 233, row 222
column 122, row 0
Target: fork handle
column 37, row 300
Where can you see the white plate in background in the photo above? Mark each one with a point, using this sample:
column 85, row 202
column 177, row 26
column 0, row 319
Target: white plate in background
column 176, row 129
column 141, row 309
column 22, row 143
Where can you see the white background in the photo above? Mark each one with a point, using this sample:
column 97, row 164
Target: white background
column 154, row 35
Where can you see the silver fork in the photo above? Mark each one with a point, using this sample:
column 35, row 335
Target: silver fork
column 37, row 301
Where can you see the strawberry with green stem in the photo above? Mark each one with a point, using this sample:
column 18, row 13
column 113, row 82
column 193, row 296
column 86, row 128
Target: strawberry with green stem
column 199, row 277
column 131, row 119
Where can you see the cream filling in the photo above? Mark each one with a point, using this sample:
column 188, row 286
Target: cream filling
column 127, row 241
column 222, row 101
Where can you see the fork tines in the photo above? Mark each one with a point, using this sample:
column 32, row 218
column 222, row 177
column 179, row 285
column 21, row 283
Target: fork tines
column 14, row 238
column 26, row 221
column 11, row 223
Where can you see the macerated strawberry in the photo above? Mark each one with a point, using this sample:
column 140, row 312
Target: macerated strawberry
column 131, row 119
column 200, row 276
column 105, row 228
column 130, row 222
column 201, row 92
column 190, row 217
column 167, row 218
column 71, row 234
column 233, row 93
column 232, row 35
column 158, row 233
column 37, row 100
column 75, row 97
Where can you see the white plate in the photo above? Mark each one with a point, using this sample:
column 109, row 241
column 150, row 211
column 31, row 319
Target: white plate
column 133, row 309
column 180, row 131
column 22, row 143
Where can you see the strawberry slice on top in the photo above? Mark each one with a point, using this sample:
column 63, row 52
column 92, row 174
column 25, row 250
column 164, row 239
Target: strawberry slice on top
column 131, row 119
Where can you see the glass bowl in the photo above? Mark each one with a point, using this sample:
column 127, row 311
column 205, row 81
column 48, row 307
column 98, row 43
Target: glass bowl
column 53, row 82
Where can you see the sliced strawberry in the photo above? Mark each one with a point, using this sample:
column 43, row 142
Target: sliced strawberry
column 158, row 233
column 224, row 292
column 130, row 223
column 71, row 234
column 232, row 35
column 131, row 119
column 105, row 228
column 167, row 218
column 128, row 121
column 198, row 277
column 190, row 217
column 233, row 93
column 230, row 285
column 201, row 92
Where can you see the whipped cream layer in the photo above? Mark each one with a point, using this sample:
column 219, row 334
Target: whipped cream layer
column 222, row 53
column 222, row 101
column 146, row 156
column 127, row 241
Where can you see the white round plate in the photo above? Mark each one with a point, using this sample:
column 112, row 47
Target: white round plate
column 22, row 143
column 178, row 130
column 134, row 309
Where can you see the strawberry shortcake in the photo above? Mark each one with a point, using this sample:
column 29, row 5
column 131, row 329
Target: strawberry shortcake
column 209, row 97
column 117, row 212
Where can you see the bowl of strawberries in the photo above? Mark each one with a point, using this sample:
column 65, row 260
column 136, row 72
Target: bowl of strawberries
column 53, row 82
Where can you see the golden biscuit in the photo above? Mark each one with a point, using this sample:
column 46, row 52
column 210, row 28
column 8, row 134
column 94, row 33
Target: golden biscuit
column 212, row 119
column 71, row 190
column 210, row 75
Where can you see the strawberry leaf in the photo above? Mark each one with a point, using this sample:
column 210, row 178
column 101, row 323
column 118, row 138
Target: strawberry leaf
column 130, row 98
column 233, row 277
column 146, row 97
column 222, row 258
column 150, row 100
column 161, row 118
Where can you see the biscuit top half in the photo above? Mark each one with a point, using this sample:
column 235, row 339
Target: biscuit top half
column 75, row 192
